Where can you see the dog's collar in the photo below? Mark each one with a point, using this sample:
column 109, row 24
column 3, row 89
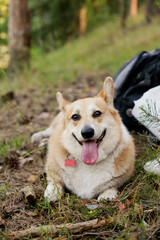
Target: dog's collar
column 69, row 161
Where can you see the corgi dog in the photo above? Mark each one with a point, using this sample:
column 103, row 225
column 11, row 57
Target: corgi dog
column 90, row 151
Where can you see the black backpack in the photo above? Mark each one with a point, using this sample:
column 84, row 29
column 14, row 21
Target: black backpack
column 134, row 78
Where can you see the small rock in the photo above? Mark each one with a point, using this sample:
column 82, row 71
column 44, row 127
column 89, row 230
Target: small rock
column 43, row 115
column 92, row 206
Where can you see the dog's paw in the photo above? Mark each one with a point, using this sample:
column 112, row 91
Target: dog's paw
column 53, row 193
column 36, row 137
column 110, row 194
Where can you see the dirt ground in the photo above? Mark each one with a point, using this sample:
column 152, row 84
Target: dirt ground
column 26, row 113
column 23, row 164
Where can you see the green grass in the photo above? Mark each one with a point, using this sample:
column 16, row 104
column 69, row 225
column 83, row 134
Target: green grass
column 7, row 146
column 3, row 191
column 104, row 50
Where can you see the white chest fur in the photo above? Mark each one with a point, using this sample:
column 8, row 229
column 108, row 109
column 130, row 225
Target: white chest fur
column 87, row 180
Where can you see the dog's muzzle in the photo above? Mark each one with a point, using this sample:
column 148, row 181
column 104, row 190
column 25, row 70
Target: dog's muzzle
column 89, row 153
column 98, row 141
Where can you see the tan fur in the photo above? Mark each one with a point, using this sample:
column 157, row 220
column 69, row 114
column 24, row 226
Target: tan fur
column 116, row 159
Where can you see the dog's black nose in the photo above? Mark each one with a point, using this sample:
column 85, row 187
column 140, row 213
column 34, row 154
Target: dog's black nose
column 87, row 132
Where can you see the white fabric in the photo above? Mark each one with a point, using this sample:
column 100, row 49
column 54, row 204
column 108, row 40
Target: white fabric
column 153, row 166
column 150, row 100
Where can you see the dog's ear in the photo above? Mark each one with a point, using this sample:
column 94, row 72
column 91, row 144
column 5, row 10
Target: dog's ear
column 107, row 91
column 61, row 101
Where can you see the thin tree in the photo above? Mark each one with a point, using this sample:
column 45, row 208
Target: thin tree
column 19, row 34
column 124, row 7
column 149, row 7
column 134, row 8
column 82, row 20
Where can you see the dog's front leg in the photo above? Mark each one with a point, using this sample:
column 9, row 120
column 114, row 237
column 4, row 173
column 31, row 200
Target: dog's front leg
column 55, row 187
column 37, row 137
column 53, row 192
column 109, row 194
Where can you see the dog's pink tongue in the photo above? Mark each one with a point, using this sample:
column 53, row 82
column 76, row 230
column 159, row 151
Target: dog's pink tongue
column 89, row 153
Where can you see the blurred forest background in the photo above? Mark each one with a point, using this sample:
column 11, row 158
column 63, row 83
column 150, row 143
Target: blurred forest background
column 57, row 38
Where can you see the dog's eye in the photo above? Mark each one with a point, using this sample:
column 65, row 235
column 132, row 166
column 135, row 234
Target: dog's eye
column 97, row 114
column 76, row 117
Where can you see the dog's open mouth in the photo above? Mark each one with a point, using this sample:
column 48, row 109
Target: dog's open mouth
column 99, row 140
column 90, row 149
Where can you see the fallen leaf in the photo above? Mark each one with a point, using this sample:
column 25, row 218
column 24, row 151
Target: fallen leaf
column 133, row 236
column 128, row 202
column 84, row 202
column 20, row 204
column 29, row 194
column 138, row 208
column 32, row 214
column 121, row 207
column 22, row 161
column 32, row 178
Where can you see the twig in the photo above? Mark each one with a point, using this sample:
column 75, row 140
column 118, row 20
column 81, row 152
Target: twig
column 103, row 233
column 20, row 114
column 53, row 229
column 154, row 232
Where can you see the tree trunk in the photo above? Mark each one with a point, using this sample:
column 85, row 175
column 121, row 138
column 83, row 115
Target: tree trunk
column 82, row 21
column 134, row 8
column 124, row 7
column 19, row 34
column 148, row 11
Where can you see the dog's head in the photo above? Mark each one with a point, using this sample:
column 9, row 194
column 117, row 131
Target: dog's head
column 92, row 126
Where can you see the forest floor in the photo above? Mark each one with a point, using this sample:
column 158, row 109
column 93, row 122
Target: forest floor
column 134, row 214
